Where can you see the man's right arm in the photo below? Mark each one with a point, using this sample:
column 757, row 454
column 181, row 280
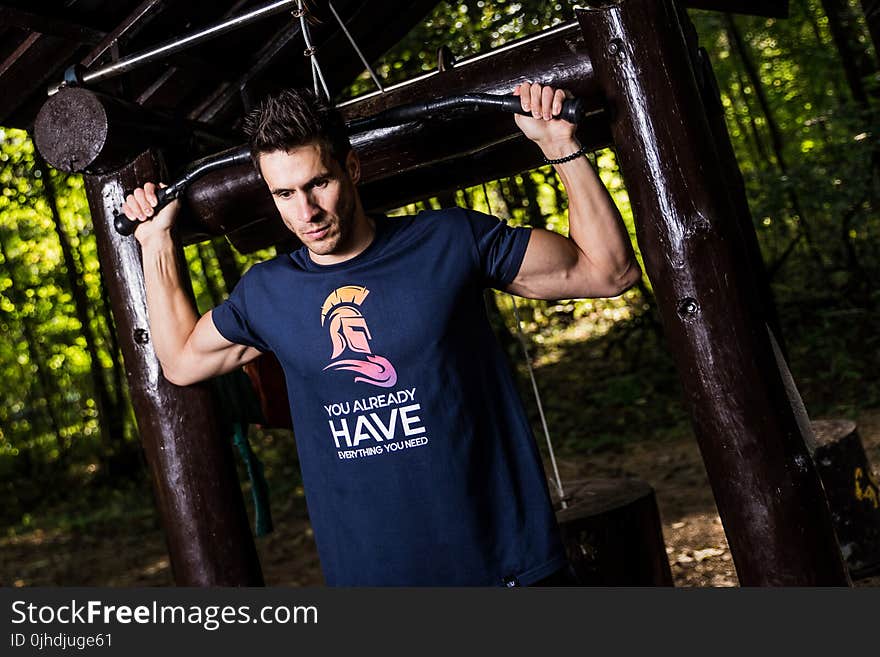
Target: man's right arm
column 189, row 348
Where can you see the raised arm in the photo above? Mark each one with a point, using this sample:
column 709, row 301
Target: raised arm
column 189, row 348
column 597, row 259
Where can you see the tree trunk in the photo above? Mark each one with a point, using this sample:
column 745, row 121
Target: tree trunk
column 806, row 6
column 194, row 477
column 229, row 268
column 111, row 432
column 738, row 45
column 768, row 494
column 764, row 158
column 43, row 379
column 856, row 63
column 533, row 209
column 214, row 291
column 872, row 18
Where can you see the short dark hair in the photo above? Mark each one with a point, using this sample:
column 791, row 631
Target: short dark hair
column 295, row 117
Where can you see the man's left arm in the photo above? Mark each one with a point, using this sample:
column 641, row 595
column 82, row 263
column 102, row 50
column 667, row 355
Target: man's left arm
column 597, row 259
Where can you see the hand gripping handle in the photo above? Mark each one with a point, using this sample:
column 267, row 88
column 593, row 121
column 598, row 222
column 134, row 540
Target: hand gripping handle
column 125, row 226
column 572, row 108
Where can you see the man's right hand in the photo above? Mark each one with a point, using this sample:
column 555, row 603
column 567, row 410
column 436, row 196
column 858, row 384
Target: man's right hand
column 139, row 206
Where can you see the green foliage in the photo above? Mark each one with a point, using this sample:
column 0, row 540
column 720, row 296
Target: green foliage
column 816, row 180
column 36, row 308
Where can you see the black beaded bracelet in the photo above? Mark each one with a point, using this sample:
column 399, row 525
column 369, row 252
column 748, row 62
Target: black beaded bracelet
column 581, row 151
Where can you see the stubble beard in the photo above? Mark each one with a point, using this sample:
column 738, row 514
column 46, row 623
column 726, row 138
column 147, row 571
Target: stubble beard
column 339, row 233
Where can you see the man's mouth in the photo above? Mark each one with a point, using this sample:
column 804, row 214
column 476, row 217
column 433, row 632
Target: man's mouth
column 318, row 234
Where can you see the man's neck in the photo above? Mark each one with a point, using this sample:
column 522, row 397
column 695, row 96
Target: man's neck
column 363, row 233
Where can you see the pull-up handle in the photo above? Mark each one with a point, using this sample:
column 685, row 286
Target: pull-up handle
column 125, row 226
column 572, row 110
column 237, row 155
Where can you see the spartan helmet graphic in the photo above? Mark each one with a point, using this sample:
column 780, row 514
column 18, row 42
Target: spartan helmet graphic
column 348, row 329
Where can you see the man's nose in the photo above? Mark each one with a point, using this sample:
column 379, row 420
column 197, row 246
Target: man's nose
column 307, row 209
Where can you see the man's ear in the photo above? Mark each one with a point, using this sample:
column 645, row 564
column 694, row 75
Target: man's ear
column 353, row 166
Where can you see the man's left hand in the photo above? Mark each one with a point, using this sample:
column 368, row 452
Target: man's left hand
column 544, row 102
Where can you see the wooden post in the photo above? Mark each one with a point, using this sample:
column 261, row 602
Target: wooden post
column 852, row 492
column 612, row 533
column 190, row 458
column 765, row 485
column 736, row 187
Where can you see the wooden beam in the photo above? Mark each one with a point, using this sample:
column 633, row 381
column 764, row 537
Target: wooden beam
column 57, row 27
column 184, row 70
column 26, row 72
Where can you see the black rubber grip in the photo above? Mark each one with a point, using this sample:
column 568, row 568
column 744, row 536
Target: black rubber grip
column 237, row 155
column 125, row 226
column 572, row 108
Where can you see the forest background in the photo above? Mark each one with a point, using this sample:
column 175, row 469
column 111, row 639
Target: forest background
column 801, row 103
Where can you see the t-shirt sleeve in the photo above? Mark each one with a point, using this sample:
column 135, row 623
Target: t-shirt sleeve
column 499, row 248
column 232, row 320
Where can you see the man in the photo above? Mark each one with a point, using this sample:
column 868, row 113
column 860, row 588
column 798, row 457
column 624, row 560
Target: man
column 416, row 455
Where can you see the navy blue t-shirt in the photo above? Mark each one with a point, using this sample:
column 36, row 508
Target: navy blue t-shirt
column 417, row 459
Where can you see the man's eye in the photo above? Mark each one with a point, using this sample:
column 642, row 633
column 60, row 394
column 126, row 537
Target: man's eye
column 323, row 183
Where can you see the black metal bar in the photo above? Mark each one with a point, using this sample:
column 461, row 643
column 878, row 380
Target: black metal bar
column 416, row 160
column 572, row 110
column 232, row 157
column 182, row 43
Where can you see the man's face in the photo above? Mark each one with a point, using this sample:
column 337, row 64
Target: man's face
column 315, row 195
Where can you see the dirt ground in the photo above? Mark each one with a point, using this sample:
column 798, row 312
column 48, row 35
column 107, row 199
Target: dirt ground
column 133, row 554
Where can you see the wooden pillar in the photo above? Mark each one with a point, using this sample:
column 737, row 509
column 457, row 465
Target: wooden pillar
column 765, row 485
column 190, row 457
column 736, row 187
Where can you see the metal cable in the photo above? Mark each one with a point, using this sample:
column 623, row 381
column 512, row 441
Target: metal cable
column 311, row 51
column 356, row 49
column 522, row 340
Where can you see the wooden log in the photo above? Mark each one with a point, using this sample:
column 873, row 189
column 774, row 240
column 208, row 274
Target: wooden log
column 766, row 488
column 78, row 130
column 612, row 533
column 852, row 493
